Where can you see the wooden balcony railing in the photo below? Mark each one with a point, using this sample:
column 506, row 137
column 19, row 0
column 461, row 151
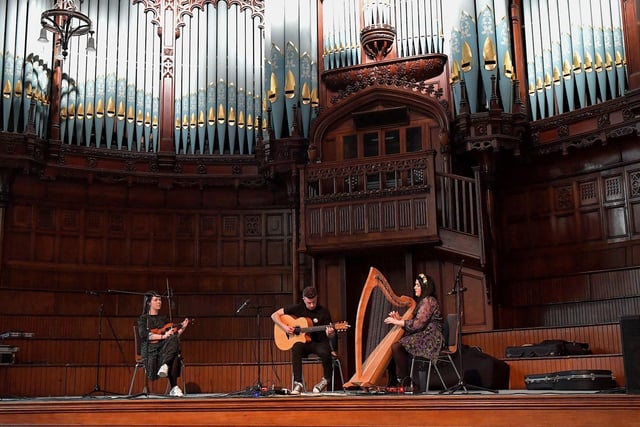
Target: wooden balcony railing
column 384, row 201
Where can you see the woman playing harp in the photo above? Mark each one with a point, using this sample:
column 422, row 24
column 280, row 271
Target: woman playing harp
column 423, row 334
column 373, row 338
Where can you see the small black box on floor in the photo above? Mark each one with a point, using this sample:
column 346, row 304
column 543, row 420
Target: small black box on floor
column 630, row 334
column 480, row 369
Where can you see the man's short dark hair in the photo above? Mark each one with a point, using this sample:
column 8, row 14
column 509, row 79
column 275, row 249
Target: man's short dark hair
column 310, row 292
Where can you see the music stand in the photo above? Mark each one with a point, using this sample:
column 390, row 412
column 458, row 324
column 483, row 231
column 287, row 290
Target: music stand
column 461, row 385
column 96, row 387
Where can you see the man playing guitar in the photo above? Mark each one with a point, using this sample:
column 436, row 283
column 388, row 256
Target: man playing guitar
column 321, row 343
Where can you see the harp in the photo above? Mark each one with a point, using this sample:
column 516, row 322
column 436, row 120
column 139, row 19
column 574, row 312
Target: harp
column 373, row 338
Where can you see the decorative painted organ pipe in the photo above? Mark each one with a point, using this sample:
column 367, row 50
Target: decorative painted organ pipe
column 110, row 99
column 573, row 59
column 290, row 63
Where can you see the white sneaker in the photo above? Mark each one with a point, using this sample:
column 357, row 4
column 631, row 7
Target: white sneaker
column 175, row 391
column 321, row 386
column 163, row 371
column 297, row 388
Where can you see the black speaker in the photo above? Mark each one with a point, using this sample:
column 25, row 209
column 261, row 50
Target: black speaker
column 630, row 333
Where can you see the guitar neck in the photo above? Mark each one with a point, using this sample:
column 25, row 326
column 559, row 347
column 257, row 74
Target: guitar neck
column 313, row 329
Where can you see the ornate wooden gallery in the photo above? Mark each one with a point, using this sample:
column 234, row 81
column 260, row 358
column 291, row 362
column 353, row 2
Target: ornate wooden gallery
column 224, row 151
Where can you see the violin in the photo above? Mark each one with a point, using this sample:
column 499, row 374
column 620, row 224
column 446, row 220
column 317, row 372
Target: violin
column 166, row 328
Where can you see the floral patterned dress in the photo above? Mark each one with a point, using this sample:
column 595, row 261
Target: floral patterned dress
column 424, row 332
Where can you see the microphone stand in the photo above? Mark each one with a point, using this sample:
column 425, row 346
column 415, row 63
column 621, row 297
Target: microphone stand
column 256, row 390
column 457, row 290
column 96, row 387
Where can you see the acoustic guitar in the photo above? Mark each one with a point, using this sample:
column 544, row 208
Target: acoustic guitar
column 303, row 328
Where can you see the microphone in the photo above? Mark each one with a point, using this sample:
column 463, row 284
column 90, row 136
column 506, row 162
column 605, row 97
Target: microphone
column 94, row 293
column 457, row 285
column 244, row 304
column 455, row 291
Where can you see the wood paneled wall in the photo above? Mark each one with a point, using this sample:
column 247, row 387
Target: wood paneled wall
column 77, row 257
column 570, row 239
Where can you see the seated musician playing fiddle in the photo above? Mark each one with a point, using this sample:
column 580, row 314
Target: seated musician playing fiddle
column 321, row 343
column 160, row 342
column 423, row 334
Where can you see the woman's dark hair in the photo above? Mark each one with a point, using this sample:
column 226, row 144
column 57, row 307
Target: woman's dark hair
column 147, row 300
column 427, row 284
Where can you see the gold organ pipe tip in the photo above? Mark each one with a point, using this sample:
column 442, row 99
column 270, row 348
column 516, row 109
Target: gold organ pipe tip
column 539, row 84
column 140, row 118
column 18, row 92
column 547, row 81
column 100, row 109
column 241, row 120
column 489, row 55
column 588, row 63
column 211, row 116
column 221, row 114
column 193, row 122
column 556, row 76
column 89, row 111
column 315, row 101
column 121, row 111
column 6, row 91
column 80, row 111
column 455, row 72
column 608, row 62
column 577, row 63
column 599, row 63
column 466, row 64
column 273, row 89
column 306, row 94
column 201, row 118
column 618, row 59
column 29, row 92
column 130, row 115
column 566, row 70
column 111, row 107
column 178, row 123
column 147, row 119
column 532, row 89
column 232, row 117
column 63, row 113
column 250, row 122
column 71, row 111
column 290, row 85
column 185, row 121
column 154, row 122
column 508, row 65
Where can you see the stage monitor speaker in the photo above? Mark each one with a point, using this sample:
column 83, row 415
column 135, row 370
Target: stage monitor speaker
column 630, row 334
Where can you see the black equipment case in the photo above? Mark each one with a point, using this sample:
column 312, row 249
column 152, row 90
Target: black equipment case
column 548, row 348
column 589, row 379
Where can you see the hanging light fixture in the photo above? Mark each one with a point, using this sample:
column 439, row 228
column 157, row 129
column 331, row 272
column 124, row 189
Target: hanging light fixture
column 65, row 20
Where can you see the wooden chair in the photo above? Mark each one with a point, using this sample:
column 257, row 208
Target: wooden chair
column 446, row 354
column 140, row 365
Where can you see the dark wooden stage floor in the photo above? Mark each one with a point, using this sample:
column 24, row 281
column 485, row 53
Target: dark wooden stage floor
column 506, row 408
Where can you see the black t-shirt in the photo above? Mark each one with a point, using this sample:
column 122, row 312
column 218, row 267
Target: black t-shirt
column 319, row 316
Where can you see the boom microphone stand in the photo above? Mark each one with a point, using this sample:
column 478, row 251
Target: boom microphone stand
column 457, row 291
column 256, row 389
column 97, row 388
